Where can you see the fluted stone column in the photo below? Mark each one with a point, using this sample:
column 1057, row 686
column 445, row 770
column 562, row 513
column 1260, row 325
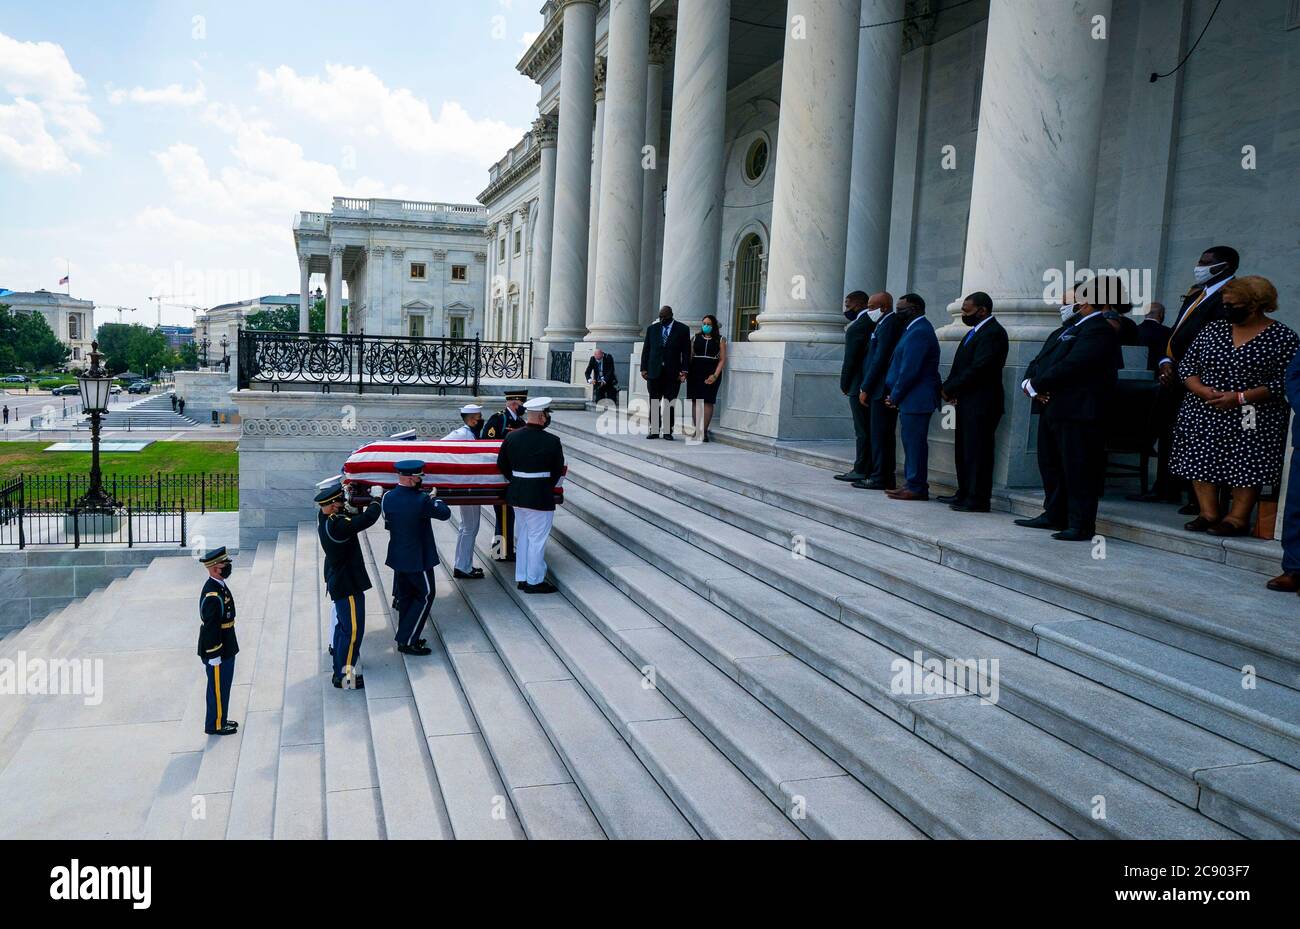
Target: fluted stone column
column 618, row 263
column 597, row 159
column 334, row 302
column 661, row 42
column 544, row 130
column 1031, row 201
column 693, row 219
column 566, row 312
column 875, row 127
column 814, row 154
column 392, row 322
column 304, row 293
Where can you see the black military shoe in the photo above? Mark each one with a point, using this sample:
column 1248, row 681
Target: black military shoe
column 331, row 651
column 227, row 729
column 653, row 435
column 415, row 650
column 668, row 437
column 472, row 575
column 545, row 587
column 233, row 722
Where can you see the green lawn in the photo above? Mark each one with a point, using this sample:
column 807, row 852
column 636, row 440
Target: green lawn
column 165, row 457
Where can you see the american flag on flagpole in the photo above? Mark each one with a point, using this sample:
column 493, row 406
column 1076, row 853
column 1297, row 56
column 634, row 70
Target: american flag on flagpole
column 64, row 280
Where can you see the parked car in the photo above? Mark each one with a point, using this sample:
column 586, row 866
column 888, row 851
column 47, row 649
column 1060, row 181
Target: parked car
column 16, row 379
column 115, row 389
column 139, row 387
column 67, row 390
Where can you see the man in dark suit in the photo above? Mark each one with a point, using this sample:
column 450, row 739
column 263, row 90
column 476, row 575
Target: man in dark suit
column 912, row 387
column 1072, row 380
column 857, row 335
column 665, row 362
column 1154, row 335
column 602, row 377
column 1289, row 580
column 871, row 394
column 974, row 388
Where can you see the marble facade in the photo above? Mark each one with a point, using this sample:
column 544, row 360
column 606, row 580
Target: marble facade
column 71, row 320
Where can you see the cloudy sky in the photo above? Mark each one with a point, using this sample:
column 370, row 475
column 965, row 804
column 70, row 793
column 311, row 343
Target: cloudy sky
column 163, row 147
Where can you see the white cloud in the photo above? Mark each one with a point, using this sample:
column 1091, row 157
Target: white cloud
column 528, row 38
column 171, row 95
column 355, row 100
column 49, row 117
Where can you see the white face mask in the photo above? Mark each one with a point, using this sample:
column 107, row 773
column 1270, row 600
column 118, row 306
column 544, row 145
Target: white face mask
column 1066, row 313
column 875, row 315
column 1203, row 273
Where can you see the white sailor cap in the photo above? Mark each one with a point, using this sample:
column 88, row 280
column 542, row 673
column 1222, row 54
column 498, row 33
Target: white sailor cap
column 470, row 409
column 336, row 480
column 538, row 404
column 407, row 436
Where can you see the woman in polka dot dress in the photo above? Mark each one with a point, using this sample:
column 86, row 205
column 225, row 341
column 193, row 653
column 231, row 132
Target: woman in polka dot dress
column 1233, row 422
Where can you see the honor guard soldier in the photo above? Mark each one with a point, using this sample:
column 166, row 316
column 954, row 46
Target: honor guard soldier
column 497, row 427
column 346, row 579
column 469, row 515
column 532, row 460
column 409, row 514
column 218, row 645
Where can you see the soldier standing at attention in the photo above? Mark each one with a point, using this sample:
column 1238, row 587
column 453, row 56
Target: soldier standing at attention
column 469, row 515
column 346, row 579
column 532, row 460
column 409, row 514
column 218, row 645
column 497, row 427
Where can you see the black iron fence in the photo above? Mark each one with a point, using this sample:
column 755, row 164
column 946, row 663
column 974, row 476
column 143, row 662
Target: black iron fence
column 285, row 359
column 197, row 493
column 561, row 366
column 25, row 522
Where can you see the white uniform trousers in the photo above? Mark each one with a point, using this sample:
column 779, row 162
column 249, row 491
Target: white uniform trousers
column 465, row 536
column 532, row 529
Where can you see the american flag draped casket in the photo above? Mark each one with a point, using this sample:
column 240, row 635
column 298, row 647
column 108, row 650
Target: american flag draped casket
column 465, row 473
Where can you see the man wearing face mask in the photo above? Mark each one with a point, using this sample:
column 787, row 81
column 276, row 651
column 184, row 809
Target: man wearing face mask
column 346, row 580
column 1072, row 381
column 974, row 388
column 857, row 336
column 912, row 388
column 218, row 644
column 871, row 393
column 409, row 513
column 665, row 364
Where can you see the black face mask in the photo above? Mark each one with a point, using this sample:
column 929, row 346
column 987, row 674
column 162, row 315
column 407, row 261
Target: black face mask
column 665, row 320
column 970, row 319
column 850, row 315
column 1237, row 314
column 225, row 570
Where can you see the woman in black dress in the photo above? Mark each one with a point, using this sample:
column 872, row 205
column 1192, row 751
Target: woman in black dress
column 1232, row 426
column 708, row 358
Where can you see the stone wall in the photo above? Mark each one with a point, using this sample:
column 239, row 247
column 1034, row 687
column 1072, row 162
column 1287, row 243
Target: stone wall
column 205, row 391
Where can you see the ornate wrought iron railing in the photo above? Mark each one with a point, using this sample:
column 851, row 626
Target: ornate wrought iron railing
column 561, row 367
column 321, row 361
column 25, row 522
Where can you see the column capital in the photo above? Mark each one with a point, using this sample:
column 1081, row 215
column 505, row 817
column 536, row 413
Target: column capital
column 662, row 35
column 304, row 259
column 336, row 251
column 546, row 130
column 601, row 70
column 490, row 231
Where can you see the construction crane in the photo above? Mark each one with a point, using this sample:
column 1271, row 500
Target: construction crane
column 120, row 310
column 164, row 299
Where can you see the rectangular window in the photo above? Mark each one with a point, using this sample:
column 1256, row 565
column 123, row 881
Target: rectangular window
column 417, row 327
column 459, row 273
column 519, row 241
column 458, row 327
column 501, row 251
column 417, row 270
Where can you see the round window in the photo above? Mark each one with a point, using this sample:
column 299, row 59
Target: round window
column 756, row 159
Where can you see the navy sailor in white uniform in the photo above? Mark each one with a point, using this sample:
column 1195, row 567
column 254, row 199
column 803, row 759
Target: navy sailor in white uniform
column 408, row 515
column 532, row 460
column 469, row 515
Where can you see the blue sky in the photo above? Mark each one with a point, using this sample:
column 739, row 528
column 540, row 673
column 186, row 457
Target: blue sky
column 163, row 147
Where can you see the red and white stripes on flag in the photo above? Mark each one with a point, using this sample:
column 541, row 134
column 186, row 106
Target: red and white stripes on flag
column 64, row 280
column 448, row 465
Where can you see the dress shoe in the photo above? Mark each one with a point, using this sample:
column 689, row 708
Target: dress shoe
column 1040, row 522
column 970, row 507
column 907, row 495
column 1288, row 582
column 545, row 587
column 1199, row 524
column 1188, row 509
column 870, row 485
column 331, row 651
column 1226, row 530
column 668, row 437
column 224, row 730
column 358, row 682
column 850, row 476
column 472, row 575
column 653, row 435
column 233, row 722
column 949, row 499
column 1072, row 535
column 415, row 650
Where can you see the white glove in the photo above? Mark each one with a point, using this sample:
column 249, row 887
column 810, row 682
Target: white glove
column 215, row 662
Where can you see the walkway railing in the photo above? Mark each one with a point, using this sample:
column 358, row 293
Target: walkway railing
column 25, row 522
column 321, row 361
column 204, row 493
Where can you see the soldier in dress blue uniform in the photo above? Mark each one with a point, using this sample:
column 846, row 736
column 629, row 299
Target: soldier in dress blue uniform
column 409, row 515
column 469, row 515
column 346, row 579
column 532, row 460
column 218, row 644
column 510, row 418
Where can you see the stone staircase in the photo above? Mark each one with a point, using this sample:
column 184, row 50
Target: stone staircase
column 722, row 662
column 152, row 413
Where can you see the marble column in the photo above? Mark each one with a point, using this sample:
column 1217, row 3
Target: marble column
column 334, row 304
column 565, row 320
column 1031, row 202
column 392, row 320
column 304, row 293
column 597, row 160
column 693, row 219
column 661, row 40
column 618, row 263
column 875, row 128
column 544, row 131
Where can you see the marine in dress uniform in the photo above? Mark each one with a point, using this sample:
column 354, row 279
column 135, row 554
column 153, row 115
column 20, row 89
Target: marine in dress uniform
column 346, row 579
column 497, row 427
column 532, row 460
column 218, row 644
column 409, row 515
column 467, row 532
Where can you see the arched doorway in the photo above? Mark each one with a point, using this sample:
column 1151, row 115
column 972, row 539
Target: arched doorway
column 749, row 286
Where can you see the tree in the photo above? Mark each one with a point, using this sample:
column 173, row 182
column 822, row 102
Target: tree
column 8, row 339
column 280, row 319
column 188, row 357
column 132, row 347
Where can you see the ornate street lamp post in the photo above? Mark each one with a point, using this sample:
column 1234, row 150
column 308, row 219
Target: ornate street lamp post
column 96, row 385
column 203, row 351
column 225, row 346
